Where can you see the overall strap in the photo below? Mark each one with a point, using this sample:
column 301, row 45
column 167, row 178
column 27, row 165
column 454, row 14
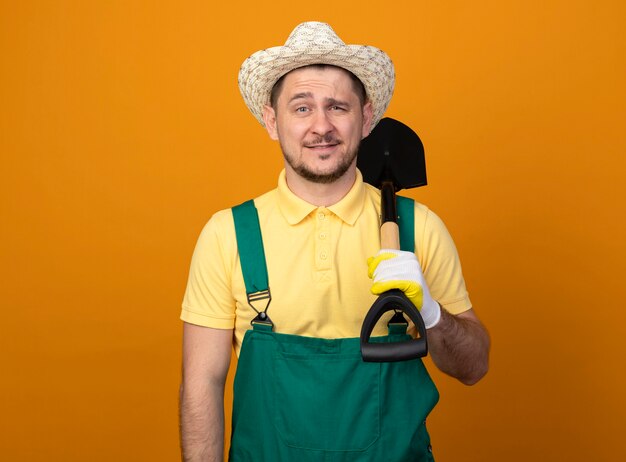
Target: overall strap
column 406, row 222
column 405, row 207
column 252, row 258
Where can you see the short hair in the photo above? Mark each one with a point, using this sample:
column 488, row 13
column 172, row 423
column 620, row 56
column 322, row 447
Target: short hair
column 357, row 85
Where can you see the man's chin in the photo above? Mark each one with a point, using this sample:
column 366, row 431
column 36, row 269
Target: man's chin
column 322, row 172
column 322, row 176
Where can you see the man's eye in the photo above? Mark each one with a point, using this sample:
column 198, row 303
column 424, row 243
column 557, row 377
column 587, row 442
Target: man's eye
column 336, row 108
column 301, row 109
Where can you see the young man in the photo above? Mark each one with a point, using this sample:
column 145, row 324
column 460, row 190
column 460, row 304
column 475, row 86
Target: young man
column 302, row 391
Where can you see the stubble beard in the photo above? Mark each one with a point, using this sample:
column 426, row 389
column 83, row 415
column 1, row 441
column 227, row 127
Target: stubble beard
column 321, row 178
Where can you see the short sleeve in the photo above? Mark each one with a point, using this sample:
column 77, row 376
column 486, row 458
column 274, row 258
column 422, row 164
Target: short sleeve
column 208, row 297
column 440, row 262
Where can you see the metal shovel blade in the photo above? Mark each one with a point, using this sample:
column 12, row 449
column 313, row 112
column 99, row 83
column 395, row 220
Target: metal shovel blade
column 392, row 152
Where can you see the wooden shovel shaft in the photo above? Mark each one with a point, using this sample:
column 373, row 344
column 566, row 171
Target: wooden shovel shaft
column 389, row 231
column 390, row 236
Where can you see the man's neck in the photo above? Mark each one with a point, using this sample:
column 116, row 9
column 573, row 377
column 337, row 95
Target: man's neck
column 320, row 194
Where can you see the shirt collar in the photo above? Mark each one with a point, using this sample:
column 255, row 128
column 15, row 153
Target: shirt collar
column 350, row 207
column 295, row 209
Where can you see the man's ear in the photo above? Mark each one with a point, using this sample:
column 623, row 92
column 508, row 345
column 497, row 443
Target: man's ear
column 368, row 115
column 269, row 117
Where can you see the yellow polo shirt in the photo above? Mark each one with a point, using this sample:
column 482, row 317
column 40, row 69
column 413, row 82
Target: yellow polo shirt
column 317, row 265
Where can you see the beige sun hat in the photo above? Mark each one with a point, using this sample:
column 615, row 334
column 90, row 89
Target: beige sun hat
column 316, row 43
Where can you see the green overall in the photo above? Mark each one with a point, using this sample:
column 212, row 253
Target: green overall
column 305, row 399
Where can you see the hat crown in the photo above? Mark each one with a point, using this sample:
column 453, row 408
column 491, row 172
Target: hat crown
column 313, row 33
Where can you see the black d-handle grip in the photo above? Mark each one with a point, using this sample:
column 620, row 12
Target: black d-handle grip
column 394, row 351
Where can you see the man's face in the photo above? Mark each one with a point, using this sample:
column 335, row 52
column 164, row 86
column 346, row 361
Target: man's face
column 319, row 121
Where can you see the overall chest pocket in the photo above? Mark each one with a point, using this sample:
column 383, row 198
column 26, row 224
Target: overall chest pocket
column 327, row 402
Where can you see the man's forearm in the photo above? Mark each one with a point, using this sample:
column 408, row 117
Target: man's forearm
column 459, row 346
column 202, row 423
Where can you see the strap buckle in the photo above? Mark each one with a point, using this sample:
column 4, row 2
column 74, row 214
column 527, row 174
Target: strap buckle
column 398, row 319
column 398, row 324
column 261, row 317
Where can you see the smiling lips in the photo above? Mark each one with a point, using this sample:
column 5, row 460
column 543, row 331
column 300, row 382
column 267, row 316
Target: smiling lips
column 328, row 144
column 321, row 146
column 322, row 142
column 324, row 151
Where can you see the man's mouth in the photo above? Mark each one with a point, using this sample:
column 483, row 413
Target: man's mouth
column 322, row 145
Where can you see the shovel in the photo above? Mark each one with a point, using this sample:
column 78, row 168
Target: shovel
column 391, row 158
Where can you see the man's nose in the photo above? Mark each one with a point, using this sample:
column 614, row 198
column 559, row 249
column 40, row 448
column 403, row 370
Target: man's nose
column 322, row 124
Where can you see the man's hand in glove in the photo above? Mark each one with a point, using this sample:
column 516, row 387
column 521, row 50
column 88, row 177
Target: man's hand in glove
column 396, row 269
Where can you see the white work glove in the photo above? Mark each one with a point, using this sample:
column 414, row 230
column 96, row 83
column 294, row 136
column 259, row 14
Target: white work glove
column 396, row 269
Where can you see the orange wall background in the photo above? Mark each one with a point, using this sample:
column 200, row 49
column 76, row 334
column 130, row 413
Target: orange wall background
column 122, row 130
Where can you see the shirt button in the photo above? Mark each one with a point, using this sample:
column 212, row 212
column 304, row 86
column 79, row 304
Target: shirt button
column 323, row 256
column 322, row 235
column 321, row 215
